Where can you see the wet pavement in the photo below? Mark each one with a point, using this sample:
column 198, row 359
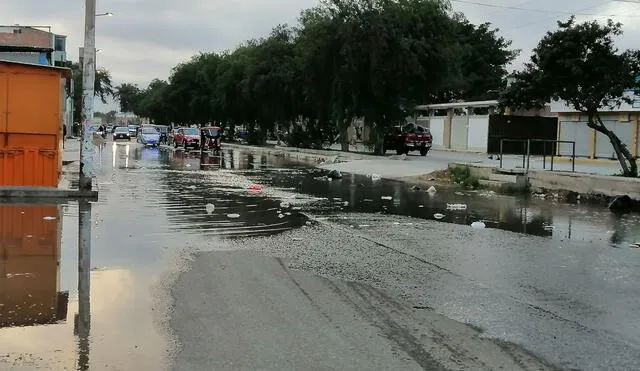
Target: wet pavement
column 153, row 204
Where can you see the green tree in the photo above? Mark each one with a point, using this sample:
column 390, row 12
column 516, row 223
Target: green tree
column 103, row 88
column 127, row 94
column 578, row 63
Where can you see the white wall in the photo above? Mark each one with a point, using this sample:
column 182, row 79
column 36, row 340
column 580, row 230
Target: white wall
column 459, row 133
column 478, row 137
column 436, row 124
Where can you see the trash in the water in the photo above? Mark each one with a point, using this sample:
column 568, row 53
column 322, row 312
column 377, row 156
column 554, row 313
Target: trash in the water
column 375, row 176
column 287, row 214
column 210, row 208
column 460, row 193
column 255, row 187
column 421, row 206
column 548, row 228
column 386, row 198
column 49, row 218
column 308, row 223
column 635, row 245
column 364, row 226
column 233, row 216
column 346, row 203
column 438, row 216
column 367, row 200
column 334, row 174
column 285, row 205
column 192, row 187
column 415, row 188
column 478, row 225
column 431, row 189
column 188, row 165
column 456, row 207
column 396, row 223
column 280, row 216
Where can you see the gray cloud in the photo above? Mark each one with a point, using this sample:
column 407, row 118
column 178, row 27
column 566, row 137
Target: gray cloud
column 146, row 38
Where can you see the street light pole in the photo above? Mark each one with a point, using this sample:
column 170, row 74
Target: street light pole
column 88, row 83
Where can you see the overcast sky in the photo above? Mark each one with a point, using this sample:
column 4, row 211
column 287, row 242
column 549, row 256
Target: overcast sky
column 146, row 38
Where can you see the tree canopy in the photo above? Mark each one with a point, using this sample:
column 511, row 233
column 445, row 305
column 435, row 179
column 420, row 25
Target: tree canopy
column 578, row 63
column 103, row 88
column 346, row 59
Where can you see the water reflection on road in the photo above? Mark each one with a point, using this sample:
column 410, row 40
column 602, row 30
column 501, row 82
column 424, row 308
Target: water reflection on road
column 152, row 204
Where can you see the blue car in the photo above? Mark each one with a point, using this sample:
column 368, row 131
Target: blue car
column 149, row 136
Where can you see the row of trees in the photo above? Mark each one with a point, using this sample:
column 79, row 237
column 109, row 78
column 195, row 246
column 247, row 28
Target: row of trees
column 370, row 59
column 377, row 59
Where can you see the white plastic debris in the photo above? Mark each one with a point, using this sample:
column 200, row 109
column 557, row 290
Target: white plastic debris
column 456, row 207
column 346, row 203
column 233, row 216
column 210, row 208
column 478, row 225
column 635, row 245
column 421, row 206
column 192, row 187
column 386, row 198
column 375, row 176
column 438, row 216
column 285, row 205
column 280, row 216
column 188, row 165
column 432, row 189
column 49, row 218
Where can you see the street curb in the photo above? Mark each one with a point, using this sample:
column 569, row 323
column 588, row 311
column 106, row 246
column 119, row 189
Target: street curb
column 586, row 161
column 46, row 192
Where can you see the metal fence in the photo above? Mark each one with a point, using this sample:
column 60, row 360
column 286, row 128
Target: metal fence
column 547, row 144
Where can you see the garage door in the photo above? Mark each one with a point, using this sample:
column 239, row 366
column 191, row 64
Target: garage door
column 624, row 131
column 575, row 131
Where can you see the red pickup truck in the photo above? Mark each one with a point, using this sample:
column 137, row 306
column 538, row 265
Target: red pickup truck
column 410, row 137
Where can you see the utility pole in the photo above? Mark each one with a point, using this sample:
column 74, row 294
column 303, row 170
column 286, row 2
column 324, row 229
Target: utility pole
column 88, row 83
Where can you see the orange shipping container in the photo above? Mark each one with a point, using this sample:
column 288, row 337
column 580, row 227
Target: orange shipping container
column 32, row 101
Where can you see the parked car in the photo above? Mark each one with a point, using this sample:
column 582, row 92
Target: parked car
column 212, row 137
column 407, row 138
column 149, row 136
column 121, row 132
column 187, row 137
column 133, row 130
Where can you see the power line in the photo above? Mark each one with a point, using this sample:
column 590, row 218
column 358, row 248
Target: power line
column 555, row 18
column 543, row 10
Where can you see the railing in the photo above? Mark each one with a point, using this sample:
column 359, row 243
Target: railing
column 526, row 151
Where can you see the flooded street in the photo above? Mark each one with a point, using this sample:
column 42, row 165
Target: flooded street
column 565, row 280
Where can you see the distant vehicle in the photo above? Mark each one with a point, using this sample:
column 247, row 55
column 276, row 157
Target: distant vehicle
column 407, row 138
column 187, row 137
column 133, row 130
column 121, row 132
column 149, row 136
column 110, row 128
column 212, row 137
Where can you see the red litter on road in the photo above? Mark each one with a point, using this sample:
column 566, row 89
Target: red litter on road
column 255, row 187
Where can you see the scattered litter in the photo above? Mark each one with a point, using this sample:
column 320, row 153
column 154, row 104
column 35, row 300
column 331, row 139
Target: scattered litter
column 346, row 203
column 375, row 176
column 396, row 223
column 548, row 228
column 432, row 179
column 478, row 225
column 287, row 214
column 188, row 165
column 210, row 208
column 280, row 216
column 233, row 216
column 415, row 188
column 255, row 187
column 421, row 206
column 431, row 189
column 438, row 216
column 308, row 223
column 635, row 245
column 456, row 207
column 460, row 193
column 285, row 205
column 192, row 187
column 49, row 218
column 386, row 198
column 364, row 226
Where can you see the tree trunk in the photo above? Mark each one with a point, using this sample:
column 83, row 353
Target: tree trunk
column 344, row 134
column 625, row 158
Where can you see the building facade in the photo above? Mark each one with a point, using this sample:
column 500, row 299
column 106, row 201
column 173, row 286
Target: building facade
column 624, row 121
column 34, row 45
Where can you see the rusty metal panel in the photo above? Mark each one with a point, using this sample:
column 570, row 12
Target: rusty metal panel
column 29, row 167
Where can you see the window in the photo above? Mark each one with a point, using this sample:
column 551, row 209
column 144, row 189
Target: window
column 60, row 43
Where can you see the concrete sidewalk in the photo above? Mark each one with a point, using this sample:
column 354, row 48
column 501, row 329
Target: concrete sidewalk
column 393, row 166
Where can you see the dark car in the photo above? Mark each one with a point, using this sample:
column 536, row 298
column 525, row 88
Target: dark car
column 410, row 137
column 121, row 132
